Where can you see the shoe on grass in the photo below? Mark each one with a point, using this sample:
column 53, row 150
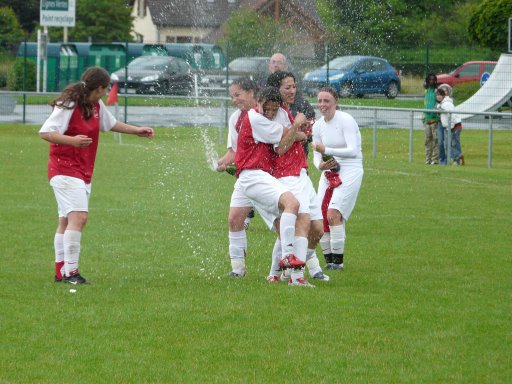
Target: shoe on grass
column 321, row 276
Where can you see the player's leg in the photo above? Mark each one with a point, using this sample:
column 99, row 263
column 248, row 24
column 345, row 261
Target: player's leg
column 237, row 240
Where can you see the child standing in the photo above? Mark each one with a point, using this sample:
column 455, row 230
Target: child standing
column 450, row 121
column 73, row 132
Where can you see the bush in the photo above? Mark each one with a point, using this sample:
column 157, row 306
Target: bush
column 462, row 92
column 15, row 76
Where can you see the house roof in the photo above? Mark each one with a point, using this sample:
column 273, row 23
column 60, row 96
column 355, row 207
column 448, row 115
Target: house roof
column 212, row 14
column 191, row 13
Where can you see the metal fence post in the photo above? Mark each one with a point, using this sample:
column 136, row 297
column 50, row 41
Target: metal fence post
column 449, row 140
column 489, row 155
column 411, row 136
column 374, row 133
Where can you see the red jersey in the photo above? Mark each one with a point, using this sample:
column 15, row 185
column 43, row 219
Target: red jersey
column 255, row 139
column 291, row 162
column 72, row 161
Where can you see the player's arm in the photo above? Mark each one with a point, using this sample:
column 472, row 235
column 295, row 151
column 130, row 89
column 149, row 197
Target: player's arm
column 290, row 135
column 58, row 138
column 227, row 159
column 133, row 130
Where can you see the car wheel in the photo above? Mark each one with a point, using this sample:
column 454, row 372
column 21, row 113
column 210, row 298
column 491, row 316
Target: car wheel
column 392, row 90
column 346, row 90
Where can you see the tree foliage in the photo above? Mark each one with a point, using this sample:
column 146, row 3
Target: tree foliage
column 367, row 26
column 249, row 34
column 489, row 24
column 27, row 12
column 11, row 33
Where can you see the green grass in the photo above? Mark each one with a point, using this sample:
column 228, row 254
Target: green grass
column 425, row 297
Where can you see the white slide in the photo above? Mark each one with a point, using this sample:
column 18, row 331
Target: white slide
column 495, row 92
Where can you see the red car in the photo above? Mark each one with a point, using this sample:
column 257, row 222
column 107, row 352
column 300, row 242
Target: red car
column 470, row 71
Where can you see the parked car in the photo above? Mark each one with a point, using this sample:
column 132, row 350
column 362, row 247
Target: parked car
column 470, row 71
column 252, row 67
column 156, row 74
column 354, row 75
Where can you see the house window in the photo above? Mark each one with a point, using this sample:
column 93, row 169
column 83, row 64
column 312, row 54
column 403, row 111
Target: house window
column 141, row 11
column 184, row 39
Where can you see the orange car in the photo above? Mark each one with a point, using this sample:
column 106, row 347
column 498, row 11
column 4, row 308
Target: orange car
column 470, row 71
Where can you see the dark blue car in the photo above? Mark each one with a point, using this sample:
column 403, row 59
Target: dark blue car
column 354, row 75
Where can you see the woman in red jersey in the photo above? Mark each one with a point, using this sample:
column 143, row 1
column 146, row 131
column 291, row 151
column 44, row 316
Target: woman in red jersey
column 73, row 132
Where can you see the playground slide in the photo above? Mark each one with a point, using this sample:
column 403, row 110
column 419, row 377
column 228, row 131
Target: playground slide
column 495, row 92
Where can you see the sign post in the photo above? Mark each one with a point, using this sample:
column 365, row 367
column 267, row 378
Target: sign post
column 53, row 13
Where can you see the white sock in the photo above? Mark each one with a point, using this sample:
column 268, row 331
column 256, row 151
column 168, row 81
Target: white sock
column 337, row 239
column 58, row 245
column 300, row 247
column 287, row 231
column 312, row 262
column 325, row 243
column 71, row 241
column 276, row 256
column 237, row 250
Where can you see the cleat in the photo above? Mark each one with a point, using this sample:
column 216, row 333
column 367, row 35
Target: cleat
column 285, row 275
column 75, row 279
column 337, row 267
column 300, row 282
column 329, row 266
column 291, row 261
column 236, row 275
column 320, row 276
column 273, row 279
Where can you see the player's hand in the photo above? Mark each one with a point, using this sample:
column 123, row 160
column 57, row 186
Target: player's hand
column 81, row 141
column 300, row 119
column 146, row 132
column 221, row 167
column 327, row 165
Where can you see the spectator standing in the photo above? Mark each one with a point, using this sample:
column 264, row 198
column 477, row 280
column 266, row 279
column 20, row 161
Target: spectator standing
column 449, row 121
column 430, row 120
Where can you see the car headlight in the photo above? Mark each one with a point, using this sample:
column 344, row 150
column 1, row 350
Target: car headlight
column 150, row 78
column 336, row 77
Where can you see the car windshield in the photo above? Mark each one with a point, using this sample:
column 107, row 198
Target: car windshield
column 244, row 64
column 455, row 70
column 150, row 62
column 343, row 63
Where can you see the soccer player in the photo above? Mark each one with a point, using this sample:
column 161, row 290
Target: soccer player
column 336, row 134
column 243, row 95
column 291, row 170
column 259, row 137
column 73, row 130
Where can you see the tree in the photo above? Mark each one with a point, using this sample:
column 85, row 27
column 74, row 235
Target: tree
column 249, row 34
column 27, row 12
column 11, row 33
column 489, row 24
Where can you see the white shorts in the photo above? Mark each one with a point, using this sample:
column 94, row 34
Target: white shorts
column 303, row 190
column 71, row 193
column 263, row 191
column 344, row 196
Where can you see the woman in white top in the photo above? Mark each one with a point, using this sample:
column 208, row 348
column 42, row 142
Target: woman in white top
column 337, row 152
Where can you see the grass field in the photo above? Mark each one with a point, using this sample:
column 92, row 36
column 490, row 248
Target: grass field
column 425, row 297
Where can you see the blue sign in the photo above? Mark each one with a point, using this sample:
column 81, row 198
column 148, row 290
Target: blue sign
column 484, row 78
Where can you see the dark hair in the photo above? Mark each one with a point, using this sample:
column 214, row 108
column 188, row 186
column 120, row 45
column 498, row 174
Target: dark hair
column 430, row 75
column 246, row 84
column 274, row 80
column 77, row 94
column 269, row 94
column 441, row 91
column 330, row 90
